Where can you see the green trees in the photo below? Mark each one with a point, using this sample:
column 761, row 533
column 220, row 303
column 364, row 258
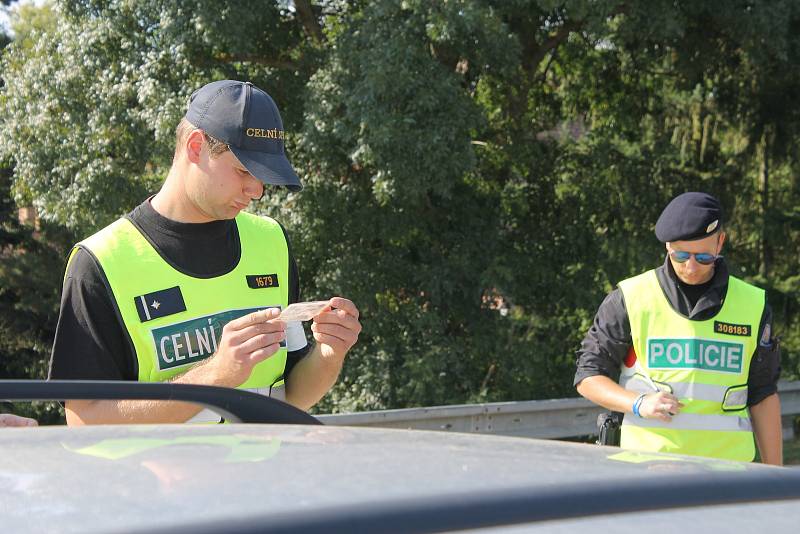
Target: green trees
column 31, row 265
column 478, row 173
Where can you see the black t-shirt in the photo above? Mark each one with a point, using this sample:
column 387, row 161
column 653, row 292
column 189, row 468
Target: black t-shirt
column 693, row 292
column 91, row 343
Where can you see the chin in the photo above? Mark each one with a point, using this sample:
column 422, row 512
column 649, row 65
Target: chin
column 696, row 278
column 227, row 214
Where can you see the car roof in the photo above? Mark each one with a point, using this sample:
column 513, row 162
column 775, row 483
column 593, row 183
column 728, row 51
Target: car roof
column 757, row 517
column 124, row 478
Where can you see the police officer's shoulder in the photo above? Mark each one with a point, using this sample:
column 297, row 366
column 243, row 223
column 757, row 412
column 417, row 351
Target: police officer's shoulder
column 83, row 266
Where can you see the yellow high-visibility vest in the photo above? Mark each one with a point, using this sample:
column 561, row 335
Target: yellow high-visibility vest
column 704, row 363
column 173, row 319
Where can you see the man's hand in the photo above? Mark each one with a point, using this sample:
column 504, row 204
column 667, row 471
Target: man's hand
column 336, row 328
column 9, row 419
column 661, row 405
column 246, row 341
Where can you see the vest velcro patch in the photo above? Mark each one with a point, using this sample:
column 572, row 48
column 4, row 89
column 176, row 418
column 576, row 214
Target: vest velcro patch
column 695, row 353
column 159, row 304
column 732, row 329
column 262, row 281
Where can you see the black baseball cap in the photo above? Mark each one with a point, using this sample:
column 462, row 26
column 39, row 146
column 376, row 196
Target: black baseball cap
column 688, row 217
column 246, row 119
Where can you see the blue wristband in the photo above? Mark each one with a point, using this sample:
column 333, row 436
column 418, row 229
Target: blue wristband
column 638, row 404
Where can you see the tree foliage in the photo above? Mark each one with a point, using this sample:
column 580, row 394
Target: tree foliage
column 478, row 173
column 31, row 265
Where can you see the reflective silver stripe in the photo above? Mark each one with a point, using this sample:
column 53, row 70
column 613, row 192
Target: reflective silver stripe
column 736, row 398
column 205, row 416
column 705, row 392
column 694, row 421
column 640, row 384
column 209, row 416
column 276, row 392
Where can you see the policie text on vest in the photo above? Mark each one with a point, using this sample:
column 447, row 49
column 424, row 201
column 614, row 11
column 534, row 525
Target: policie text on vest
column 693, row 353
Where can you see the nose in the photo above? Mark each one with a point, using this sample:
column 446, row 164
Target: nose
column 694, row 266
column 253, row 187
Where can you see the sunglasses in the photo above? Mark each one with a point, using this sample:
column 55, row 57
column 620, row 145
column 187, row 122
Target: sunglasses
column 703, row 258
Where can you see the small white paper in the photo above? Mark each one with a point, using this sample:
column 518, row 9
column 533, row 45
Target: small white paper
column 303, row 311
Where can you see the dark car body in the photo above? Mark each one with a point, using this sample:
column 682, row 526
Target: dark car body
column 314, row 478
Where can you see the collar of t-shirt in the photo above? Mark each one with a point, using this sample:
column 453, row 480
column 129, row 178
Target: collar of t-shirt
column 203, row 250
column 698, row 302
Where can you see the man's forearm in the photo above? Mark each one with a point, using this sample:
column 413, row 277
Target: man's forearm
column 766, row 419
column 603, row 391
column 121, row 412
column 311, row 378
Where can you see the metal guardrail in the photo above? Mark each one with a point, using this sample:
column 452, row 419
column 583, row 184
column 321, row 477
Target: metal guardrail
column 550, row 419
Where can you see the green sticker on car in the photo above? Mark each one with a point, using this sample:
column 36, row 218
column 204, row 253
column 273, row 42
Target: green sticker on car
column 694, row 353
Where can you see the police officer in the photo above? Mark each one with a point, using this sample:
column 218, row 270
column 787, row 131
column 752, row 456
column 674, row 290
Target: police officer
column 187, row 287
column 691, row 347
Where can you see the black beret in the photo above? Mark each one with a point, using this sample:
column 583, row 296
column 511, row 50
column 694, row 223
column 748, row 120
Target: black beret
column 689, row 216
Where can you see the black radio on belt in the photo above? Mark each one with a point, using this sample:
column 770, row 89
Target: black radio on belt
column 608, row 425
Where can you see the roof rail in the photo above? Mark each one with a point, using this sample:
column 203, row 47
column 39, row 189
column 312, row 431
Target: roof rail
column 235, row 405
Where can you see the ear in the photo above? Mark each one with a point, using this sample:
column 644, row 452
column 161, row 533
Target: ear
column 722, row 237
column 194, row 145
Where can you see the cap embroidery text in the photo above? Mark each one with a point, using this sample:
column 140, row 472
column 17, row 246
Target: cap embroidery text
column 274, row 133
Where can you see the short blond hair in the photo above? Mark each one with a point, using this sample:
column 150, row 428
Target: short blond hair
column 185, row 128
